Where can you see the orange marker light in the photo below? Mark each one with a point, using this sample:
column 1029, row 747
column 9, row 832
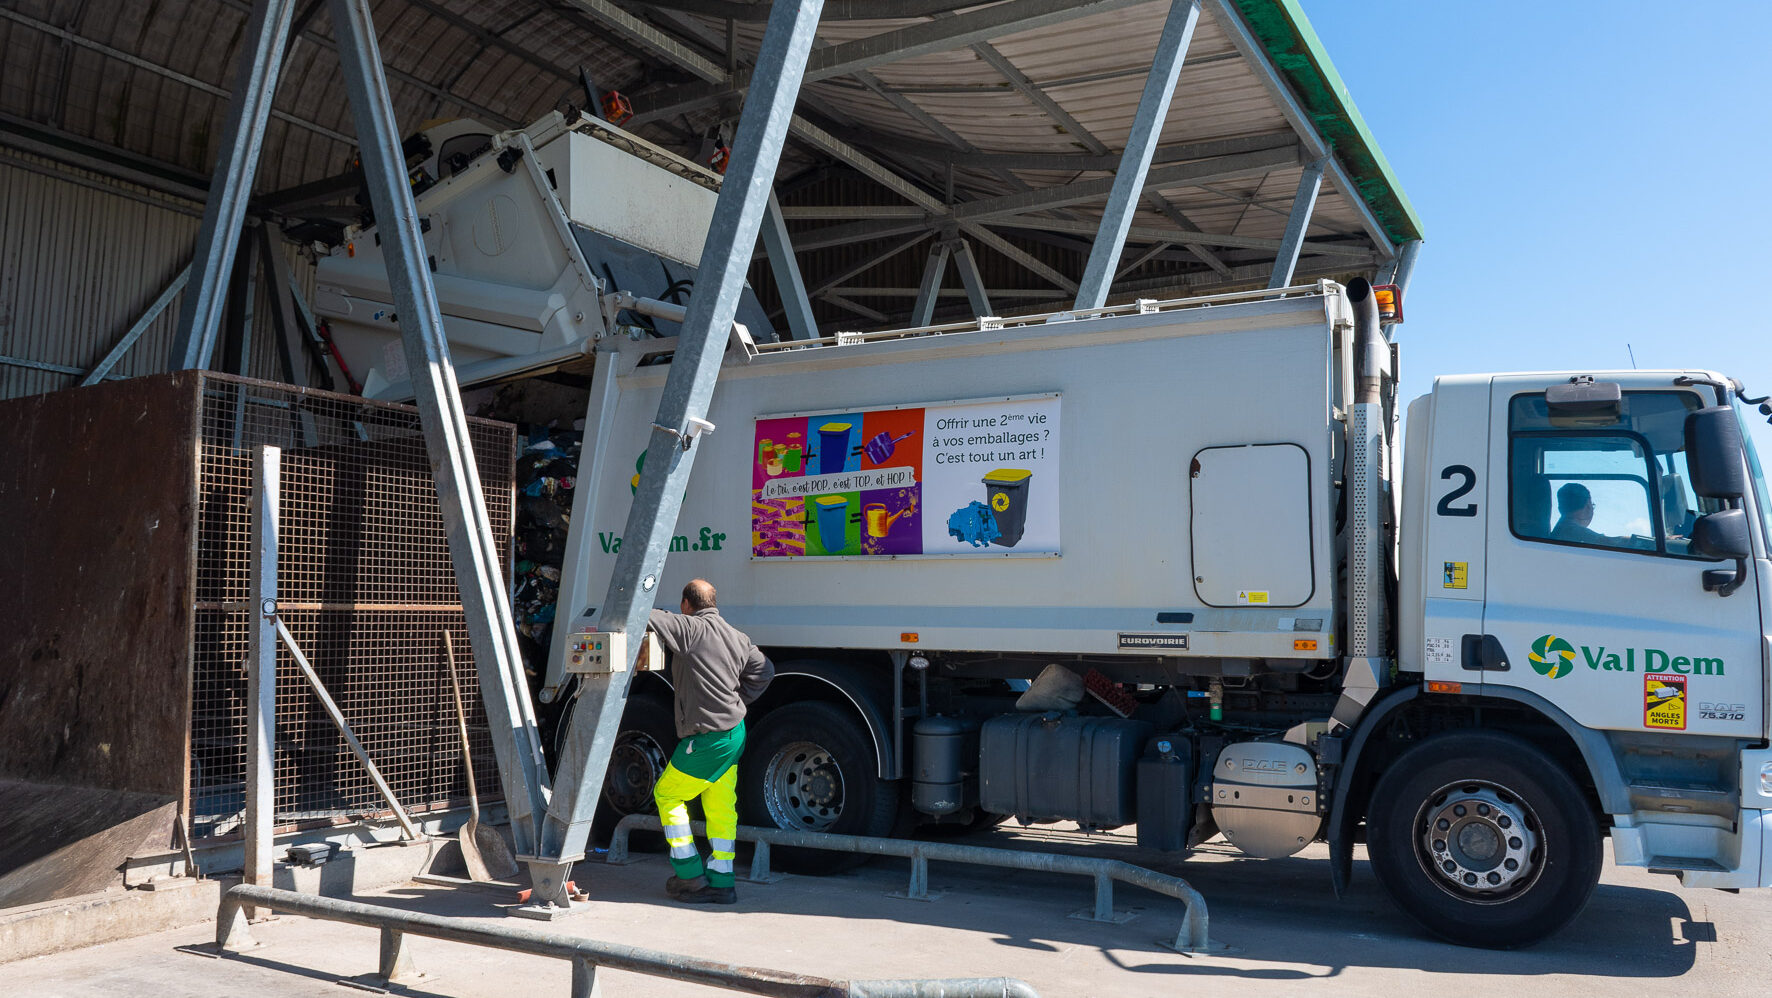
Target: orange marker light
column 1390, row 302
column 908, row 637
column 1442, row 686
column 1304, row 644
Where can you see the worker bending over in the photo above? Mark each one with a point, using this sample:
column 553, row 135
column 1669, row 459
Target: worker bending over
column 717, row 671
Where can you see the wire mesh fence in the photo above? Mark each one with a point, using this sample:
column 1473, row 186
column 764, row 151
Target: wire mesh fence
column 366, row 586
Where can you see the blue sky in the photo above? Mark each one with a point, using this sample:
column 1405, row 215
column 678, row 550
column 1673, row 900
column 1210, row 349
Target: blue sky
column 1588, row 174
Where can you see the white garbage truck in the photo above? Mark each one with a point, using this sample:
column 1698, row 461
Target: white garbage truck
column 1170, row 564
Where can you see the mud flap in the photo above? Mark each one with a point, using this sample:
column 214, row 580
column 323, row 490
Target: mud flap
column 1341, row 848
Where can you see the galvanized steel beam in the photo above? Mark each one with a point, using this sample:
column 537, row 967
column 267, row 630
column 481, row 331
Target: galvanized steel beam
column 1135, row 160
column 1149, row 233
column 786, row 271
column 232, row 935
column 1075, row 162
column 1255, row 56
column 923, row 311
column 854, row 306
column 472, row 548
column 224, row 211
column 923, row 38
column 1020, row 256
column 1303, row 203
column 868, row 261
column 689, row 387
column 967, row 265
column 289, row 337
column 103, row 368
column 261, row 672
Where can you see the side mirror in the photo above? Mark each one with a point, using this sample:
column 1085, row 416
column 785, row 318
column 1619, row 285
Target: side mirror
column 1721, row 535
column 1713, row 453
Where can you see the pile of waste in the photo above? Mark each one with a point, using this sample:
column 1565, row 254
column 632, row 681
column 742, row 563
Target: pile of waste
column 545, row 481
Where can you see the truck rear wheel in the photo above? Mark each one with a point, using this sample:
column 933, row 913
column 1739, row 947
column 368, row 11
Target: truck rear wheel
column 811, row 768
column 1484, row 840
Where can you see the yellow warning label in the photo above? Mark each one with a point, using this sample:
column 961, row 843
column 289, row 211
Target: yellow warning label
column 1664, row 702
column 1252, row 596
column 999, row 501
column 1456, row 575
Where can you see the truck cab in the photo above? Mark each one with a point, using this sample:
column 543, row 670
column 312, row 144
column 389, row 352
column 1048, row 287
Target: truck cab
column 1583, row 570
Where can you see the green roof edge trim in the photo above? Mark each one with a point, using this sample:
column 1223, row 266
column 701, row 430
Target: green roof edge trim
column 1298, row 54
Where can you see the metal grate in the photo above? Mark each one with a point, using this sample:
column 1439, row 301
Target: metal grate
column 365, row 584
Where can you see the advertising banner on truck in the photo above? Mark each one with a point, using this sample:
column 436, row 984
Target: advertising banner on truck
column 975, row 477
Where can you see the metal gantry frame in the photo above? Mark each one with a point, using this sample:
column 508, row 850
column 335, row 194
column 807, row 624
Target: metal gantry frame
column 551, row 819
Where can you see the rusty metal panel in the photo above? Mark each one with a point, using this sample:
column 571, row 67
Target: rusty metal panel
column 97, row 503
column 123, row 627
column 60, row 841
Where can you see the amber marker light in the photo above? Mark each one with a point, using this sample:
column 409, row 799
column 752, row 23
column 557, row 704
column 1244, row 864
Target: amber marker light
column 1443, row 686
column 908, row 637
column 1304, row 644
column 1390, row 302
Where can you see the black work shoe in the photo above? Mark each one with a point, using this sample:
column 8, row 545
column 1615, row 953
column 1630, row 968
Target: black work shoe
column 710, row 895
column 677, row 887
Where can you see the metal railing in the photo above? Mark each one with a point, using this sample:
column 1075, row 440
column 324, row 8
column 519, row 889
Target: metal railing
column 1192, row 938
column 587, row 956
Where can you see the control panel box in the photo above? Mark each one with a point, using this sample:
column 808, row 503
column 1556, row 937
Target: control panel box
column 595, row 652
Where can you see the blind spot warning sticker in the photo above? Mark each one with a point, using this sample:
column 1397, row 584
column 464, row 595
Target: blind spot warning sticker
column 1664, row 702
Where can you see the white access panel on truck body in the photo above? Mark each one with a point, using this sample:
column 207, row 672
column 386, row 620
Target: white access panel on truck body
column 1131, row 400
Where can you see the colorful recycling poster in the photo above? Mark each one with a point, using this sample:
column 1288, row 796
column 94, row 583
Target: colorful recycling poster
column 958, row 478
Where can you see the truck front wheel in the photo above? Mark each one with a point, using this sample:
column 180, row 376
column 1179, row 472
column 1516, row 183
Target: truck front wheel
column 810, row 767
column 1483, row 839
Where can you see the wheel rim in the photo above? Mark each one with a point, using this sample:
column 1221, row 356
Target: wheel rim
column 635, row 764
column 803, row 787
column 1479, row 842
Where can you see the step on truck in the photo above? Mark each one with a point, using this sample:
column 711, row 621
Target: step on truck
column 1167, row 564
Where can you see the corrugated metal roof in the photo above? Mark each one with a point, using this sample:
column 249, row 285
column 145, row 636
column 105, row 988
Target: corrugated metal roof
column 146, row 85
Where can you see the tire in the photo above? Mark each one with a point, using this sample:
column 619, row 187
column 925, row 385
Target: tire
column 812, row 767
column 643, row 748
column 1522, row 851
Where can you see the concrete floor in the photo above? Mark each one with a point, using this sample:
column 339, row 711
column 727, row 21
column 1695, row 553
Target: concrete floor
column 1640, row 934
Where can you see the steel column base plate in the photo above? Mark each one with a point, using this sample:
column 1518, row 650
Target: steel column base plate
column 1120, row 916
column 1213, row 948
column 908, row 896
column 377, row 984
column 550, row 912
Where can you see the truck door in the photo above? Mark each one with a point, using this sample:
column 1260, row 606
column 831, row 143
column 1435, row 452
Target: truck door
column 1592, row 594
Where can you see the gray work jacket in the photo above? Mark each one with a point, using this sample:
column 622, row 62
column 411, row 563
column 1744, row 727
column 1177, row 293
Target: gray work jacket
column 716, row 669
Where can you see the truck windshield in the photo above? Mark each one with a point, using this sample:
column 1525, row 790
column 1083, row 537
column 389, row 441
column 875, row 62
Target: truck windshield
column 1752, row 428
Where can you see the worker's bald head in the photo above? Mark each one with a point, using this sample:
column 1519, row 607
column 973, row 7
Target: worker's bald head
column 698, row 595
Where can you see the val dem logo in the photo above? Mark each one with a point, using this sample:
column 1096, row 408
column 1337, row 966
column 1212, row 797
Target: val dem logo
column 1552, row 657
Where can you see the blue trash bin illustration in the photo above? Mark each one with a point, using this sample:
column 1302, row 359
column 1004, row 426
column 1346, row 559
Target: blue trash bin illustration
column 833, row 447
column 831, row 513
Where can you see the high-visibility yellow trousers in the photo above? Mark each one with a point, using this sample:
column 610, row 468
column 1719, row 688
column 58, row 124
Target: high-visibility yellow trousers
column 705, row 765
